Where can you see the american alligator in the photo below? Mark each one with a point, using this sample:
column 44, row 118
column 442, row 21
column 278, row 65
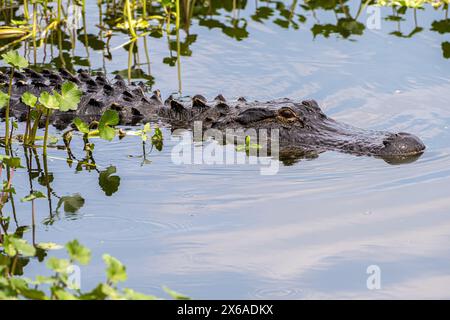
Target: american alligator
column 303, row 128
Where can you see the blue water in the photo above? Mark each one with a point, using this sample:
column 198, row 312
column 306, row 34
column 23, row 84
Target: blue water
column 311, row 230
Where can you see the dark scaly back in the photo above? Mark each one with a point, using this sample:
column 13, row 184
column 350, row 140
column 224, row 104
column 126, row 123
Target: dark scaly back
column 99, row 94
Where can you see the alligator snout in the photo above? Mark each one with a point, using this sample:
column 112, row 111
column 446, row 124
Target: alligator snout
column 402, row 144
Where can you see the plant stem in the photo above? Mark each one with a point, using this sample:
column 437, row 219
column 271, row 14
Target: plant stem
column 177, row 26
column 47, row 120
column 130, row 18
column 7, row 109
column 27, row 127
column 32, row 135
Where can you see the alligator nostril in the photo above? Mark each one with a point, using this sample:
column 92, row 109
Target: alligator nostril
column 402, row 144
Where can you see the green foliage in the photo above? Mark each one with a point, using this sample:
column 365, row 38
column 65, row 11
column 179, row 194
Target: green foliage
column 78, row 253
column 4, row 99
column 14, row 59
column 33, row 195
column 157, row 139
column 13, row 246
column 109, row 119
column 48, row 101
column 81, row 125
column 115, row 270
column 29, row 99
column 69, row 98
column 12, row 162
column 59, row 285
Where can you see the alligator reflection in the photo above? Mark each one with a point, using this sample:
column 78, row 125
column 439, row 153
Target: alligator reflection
column 57, row 41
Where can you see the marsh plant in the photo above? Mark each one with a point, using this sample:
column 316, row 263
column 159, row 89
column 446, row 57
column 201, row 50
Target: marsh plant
column 15, row 251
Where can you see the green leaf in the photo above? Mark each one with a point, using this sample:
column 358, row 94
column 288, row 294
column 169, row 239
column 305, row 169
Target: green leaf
column 133, row 295
column 63, row 295
column 71, row 203
column 70, row 96
column 108, row 119
column 33, row 195
column 115, row 270
column 157, row 139
column 49, row 246
column 4, row 99
column 107, row 133
column 77, row 252
column 49, row 101
column 175, row 295
column 29, row 99
column 12, row 162
column 14, row 246
column 14, row 59
column 147, row 128
column 81, row 125
column 109, row 182
column 58, row 265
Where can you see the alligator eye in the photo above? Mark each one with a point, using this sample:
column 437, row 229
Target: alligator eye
column 287, row 113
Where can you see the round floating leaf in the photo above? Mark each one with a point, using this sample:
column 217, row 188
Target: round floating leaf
column 49, row 101
column 70, row 96
column 29, row 99
column 14, row 59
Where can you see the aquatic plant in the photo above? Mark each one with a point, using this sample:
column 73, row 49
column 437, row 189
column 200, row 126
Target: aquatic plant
column 15, row 252
column 16, row 62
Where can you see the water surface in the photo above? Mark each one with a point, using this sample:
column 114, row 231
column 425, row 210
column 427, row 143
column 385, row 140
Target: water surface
column 309, row 231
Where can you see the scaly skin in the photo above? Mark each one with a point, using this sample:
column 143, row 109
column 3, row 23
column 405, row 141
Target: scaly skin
column 304, row 130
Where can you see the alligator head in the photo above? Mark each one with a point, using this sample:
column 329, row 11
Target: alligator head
column 304, row 130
